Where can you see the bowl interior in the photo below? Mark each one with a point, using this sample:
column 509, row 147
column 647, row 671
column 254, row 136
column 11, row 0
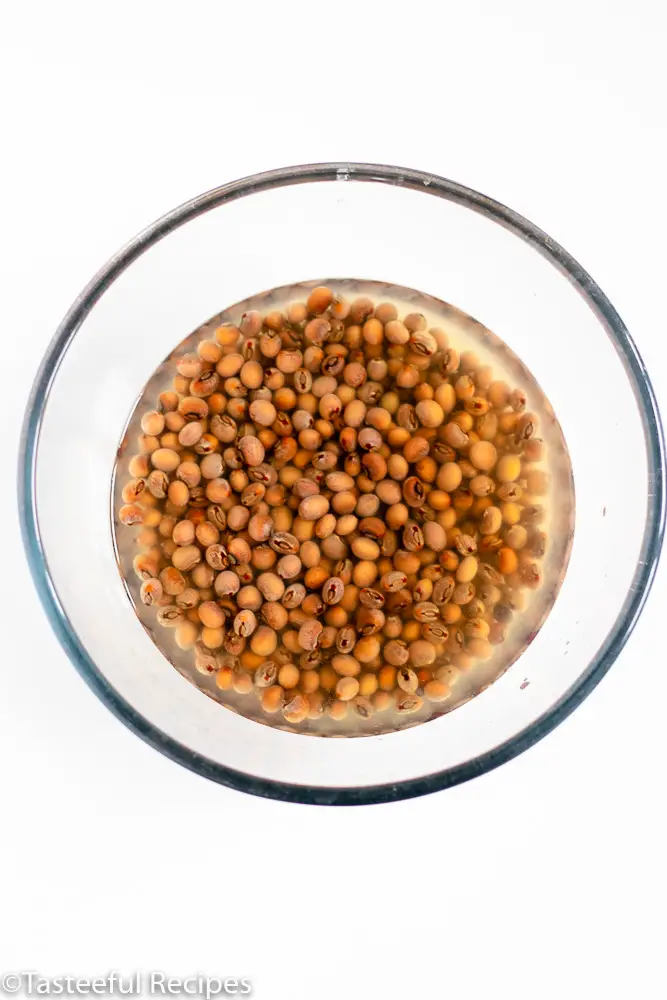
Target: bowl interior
column 557, row 519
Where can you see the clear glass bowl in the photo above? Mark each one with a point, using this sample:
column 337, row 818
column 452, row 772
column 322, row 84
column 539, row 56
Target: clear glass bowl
column 402, row 227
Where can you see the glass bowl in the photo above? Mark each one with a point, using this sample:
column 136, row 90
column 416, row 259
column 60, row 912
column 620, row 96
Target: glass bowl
column 405, row 228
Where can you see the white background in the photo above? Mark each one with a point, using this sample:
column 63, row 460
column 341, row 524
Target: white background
column 543, row 879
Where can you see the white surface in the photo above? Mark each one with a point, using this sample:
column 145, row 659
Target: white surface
column 542, row 879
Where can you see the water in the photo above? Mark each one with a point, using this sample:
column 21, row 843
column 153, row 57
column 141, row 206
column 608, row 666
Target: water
column 464, row 334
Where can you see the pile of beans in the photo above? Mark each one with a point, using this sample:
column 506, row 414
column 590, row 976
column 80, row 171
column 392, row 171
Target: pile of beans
column 336, row 512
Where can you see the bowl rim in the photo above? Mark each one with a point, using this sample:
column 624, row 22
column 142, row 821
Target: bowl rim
column 424, row 182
